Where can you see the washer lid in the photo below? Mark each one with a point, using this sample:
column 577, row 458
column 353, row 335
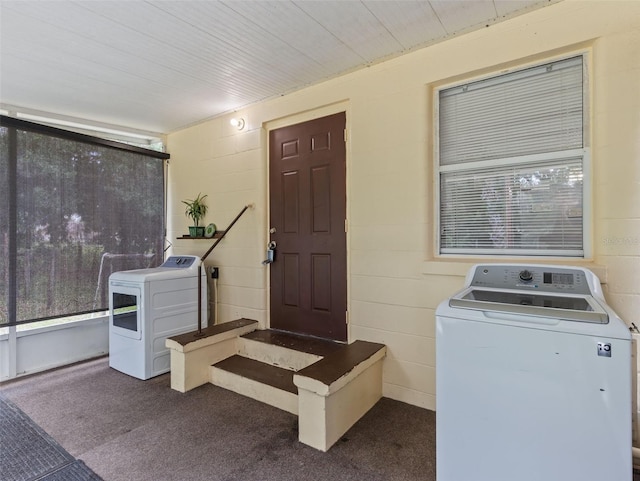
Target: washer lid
column 541, row 304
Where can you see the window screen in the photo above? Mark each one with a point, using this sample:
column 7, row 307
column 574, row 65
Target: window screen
column 79, row 211
column 511, row 163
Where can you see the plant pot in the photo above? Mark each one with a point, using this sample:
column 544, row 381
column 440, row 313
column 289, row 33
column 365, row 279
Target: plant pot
column 196, row 231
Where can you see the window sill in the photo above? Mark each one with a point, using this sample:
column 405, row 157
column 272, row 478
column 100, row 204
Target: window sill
column 30, row 330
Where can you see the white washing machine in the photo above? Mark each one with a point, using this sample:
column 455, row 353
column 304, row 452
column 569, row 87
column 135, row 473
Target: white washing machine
column 533, row 379
column 146, row 306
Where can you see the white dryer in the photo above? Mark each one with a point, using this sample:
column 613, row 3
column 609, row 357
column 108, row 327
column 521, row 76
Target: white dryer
column 146, row 306
column 533, row 379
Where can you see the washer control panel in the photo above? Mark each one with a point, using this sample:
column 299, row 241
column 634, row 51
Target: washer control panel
column 541, row 278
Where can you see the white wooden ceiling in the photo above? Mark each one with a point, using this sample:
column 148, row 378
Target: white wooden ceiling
column 161, row 65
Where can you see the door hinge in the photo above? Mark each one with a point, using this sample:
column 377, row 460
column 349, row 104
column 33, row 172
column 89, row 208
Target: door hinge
column 346, row 317
column 346, row 225
column 345, row 135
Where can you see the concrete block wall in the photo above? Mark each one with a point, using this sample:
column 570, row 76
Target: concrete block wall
column 395, row 277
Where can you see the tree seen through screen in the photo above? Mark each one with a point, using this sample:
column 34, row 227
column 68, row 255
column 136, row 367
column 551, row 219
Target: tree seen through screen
column 76, row 205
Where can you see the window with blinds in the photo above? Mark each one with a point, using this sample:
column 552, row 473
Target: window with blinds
column 511, row 163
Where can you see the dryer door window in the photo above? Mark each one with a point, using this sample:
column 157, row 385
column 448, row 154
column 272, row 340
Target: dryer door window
column 125, row 311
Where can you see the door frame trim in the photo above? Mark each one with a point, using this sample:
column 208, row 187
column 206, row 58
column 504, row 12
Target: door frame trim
column 287, row 121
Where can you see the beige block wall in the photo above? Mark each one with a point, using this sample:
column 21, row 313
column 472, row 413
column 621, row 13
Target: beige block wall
column 395, row 278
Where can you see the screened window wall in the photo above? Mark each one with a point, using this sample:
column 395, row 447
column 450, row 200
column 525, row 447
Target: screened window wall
column 512, row 163
column 73, row 209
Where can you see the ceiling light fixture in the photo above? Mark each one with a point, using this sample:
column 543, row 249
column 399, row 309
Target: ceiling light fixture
column 237, row 122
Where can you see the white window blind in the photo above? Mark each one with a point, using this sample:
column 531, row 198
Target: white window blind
column 511, row 163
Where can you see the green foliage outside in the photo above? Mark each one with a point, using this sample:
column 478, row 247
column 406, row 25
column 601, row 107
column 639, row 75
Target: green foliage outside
column 75, row 203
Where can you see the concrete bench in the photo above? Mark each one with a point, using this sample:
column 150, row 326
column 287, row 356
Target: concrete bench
column 192, row 355
column 335, row 392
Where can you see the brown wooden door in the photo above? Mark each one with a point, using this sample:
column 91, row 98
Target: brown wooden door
column 307, row 176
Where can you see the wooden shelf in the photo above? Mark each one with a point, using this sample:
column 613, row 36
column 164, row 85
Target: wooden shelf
column 218, row 234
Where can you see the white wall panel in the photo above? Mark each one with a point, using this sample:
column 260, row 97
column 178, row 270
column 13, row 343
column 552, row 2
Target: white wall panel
column 50, row 347
column 410, row 375
column 394, row 318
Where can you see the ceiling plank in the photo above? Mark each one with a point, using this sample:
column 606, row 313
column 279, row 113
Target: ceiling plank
column 159, row 65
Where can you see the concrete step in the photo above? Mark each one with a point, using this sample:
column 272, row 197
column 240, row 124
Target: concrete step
column 258, row 380
column 285, row 350
column 328, row 385
column 265, row 363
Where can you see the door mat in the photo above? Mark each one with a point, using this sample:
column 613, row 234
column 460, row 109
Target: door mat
column 28, row 453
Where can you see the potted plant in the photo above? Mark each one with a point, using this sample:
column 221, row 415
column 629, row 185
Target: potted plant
column 196, row 210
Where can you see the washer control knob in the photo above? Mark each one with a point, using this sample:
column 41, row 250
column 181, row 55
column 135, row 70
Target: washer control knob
column 526, row 275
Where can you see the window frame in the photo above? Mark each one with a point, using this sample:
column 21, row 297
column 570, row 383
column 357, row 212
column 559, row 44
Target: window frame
column 13, row 125
column 584, row 152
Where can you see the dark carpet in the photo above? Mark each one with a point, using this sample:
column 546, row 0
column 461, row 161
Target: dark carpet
column 125, row 429
column 76, row 471
column 28, row 453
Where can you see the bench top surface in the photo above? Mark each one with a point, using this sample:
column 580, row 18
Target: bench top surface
column 189, row 337
column 332, row 367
